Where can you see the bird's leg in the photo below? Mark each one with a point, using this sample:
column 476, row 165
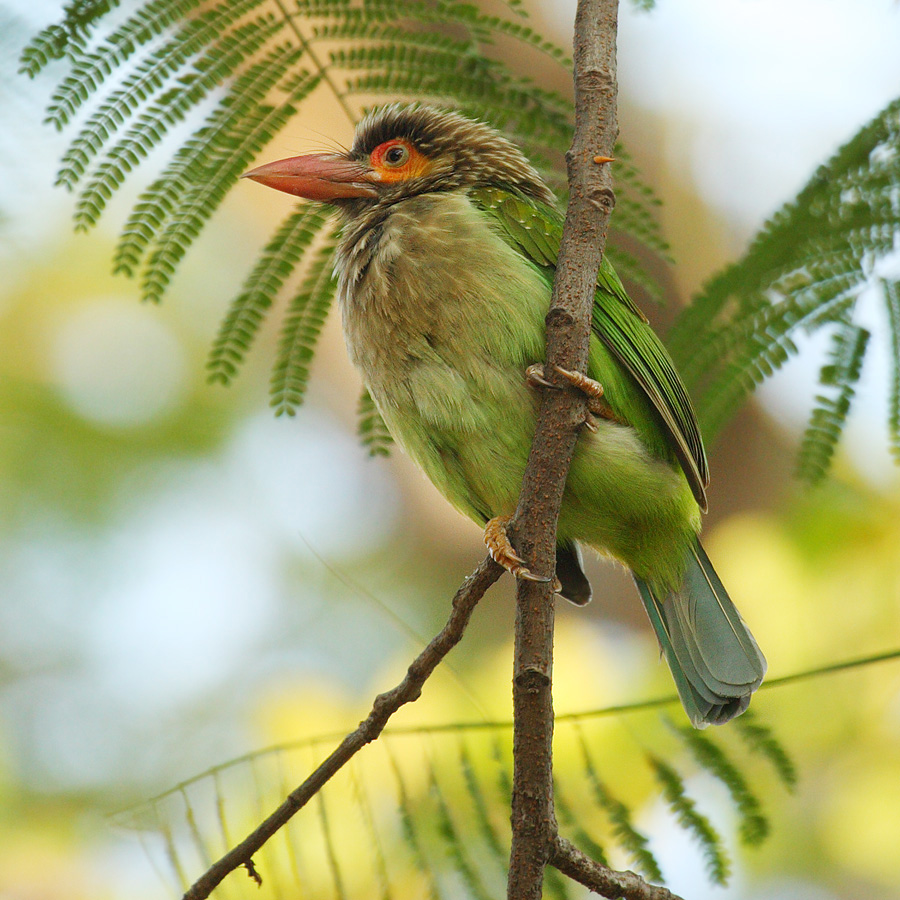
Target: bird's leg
column 593, row 390
column 501, row 550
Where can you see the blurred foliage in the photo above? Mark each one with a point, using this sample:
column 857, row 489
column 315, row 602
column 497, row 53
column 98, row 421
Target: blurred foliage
column 133, row 78
column 820, row 580
column 425, row 811
column 804, row 272
column 140, row 76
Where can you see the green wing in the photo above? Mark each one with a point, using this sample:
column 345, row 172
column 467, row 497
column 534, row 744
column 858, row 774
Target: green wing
column 535, row 230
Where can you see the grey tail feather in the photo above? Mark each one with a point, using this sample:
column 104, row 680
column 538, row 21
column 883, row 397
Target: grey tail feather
column 570, row 572
column 714, row 658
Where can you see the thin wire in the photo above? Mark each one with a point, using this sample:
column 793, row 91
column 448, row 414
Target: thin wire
column 501, row 724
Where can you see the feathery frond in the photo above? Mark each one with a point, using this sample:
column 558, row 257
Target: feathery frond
column 67, row 37
column 487, row 827
column 718, row 866
column 456, row 848
column 848, row 348
column 570, row 822
column 272, row 269
column 619, row 815
column 891, row 291
column 300, row 331
column 430, row 807
column 803, row 272
column 134, row 77
column 410, row 831
column 754, row 826
column 373, row 433
column 760, row 739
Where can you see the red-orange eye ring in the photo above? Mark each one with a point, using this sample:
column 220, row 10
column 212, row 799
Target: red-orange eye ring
column 398, row 160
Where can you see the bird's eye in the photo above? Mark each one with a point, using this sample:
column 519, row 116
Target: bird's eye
column 396, row 156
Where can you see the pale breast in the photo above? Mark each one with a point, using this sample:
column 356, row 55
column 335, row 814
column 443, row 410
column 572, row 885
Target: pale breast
column 437, row 310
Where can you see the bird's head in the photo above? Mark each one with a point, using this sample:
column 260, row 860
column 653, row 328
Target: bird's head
column 402, row 151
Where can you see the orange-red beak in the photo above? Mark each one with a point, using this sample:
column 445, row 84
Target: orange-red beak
column 317, row 176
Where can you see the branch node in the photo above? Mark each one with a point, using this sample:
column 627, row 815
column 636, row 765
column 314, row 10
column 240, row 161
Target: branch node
column 532, row 678
column 603, row 197
column 596, row 78
column 559, row 318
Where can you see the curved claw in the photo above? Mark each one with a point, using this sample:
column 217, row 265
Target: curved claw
column 534, row 375
column 502, row 552
column 528, row 575
column 593, row 390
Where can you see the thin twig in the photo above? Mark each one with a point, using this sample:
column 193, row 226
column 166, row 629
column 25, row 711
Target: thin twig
column 384, row 706
column 602, row 880
column 561, row 418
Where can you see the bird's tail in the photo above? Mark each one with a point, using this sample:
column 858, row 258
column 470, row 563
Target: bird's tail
column 714, row 659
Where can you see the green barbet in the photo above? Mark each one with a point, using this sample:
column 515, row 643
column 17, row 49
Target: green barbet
column 444, row 268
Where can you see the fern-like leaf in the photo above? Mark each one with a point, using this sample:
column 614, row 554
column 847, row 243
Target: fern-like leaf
column 619, row 816
column 207, row 37
column 90, row 69
column 410, row 832
column 709, row 755
column 235, row 122
column 891, row 291
column 272, row 269
column 228, row 153
column 374, row 841
column 330, row 850
column 453, row 841
column 804, row 270
column 301, row 329
column 760, row 739
column 486, row 828
column 69, row 36
column 842, row 372
column 568, row 818
column 372, row 431
column 717, row 864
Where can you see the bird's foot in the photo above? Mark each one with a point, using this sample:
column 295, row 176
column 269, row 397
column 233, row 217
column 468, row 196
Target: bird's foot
column 593, row 390
column 502, row 552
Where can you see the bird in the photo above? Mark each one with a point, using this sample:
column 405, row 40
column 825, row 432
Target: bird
column 444, row 269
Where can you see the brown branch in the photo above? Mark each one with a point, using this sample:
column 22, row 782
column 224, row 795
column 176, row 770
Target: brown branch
column 534, row 829
column 569, row 860
column 384, row 706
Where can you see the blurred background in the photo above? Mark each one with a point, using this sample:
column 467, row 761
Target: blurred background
column 185, row 578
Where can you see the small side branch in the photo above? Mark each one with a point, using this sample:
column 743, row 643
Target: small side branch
column 385, row 705
column 569, row 860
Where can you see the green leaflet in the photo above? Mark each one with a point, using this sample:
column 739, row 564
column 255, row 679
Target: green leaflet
column 754, row 826
column 760, row 739
column 275, row 265
column 618, row 813
column 841, row 372
column 717, row 864
column 373, row 433
column 300, row 331
column 803, row 271
column 425, row 811
column 177, row 55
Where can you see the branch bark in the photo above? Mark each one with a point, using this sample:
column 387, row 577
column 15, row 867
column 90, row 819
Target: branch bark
column 384, row 706
column 606, row 882
column 534, row 829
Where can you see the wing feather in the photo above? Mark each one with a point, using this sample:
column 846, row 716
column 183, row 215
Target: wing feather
column 535, row 230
